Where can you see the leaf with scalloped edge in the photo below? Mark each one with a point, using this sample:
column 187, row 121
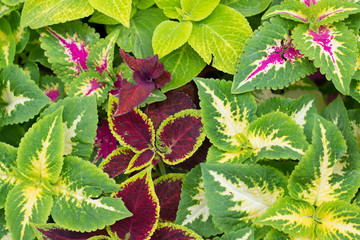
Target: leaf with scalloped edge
column 226, row 117
column 216, row 155
column 7, row 44
column 133, row 129
column 37, row 14
column 8, row 178
column 168, row 190
column 172, row 231
column 291, row 216
column 220, row 37
column 78, row 197
column 67, row 47
column 193, row 211
column 117, row 161
column 333, row 49
column 238, row 194
column 290, row 9
column 179, row 136
column 354, row 120
column 169, row 7
column 20, row 98
column 270, row 59
column 140, row 199
column 140, row 160
column 197, row 10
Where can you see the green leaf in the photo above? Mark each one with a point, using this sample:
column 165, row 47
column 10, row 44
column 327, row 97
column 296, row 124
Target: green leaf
column 12, row 2
column 78, row 205
column 4, row 231
column 220, row 37
column 290, row 216
column 7, row 44
column 169, row 8
column 26, row 203
column 144, row 4
column 290, row 9
column 40, row 153
column 4, row 10
column 170, row 35
column 333, row 48
column 242, row 234
column 119, row 10
column 216, row 155
column 184, row 64
column 37, row 14
column 277, row 235
column 20, row 98
column 354, row 121
column 199, row 9
column 238, row 194
column 21, row 35
column 101, row 18
column 8, row 178
column 247, row 8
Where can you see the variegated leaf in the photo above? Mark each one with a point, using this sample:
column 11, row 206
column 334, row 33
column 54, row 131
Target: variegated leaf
column 193, row 211
column 21, row 34
column 20, row 98
column 7, row 44
column 355, row 89
column 80, row 119
column 27, row 203
column 291, row 216
column 105, row 142
column 238, row 194
column 216, row 155
column 140, row 199
column 275, row 135
column 242, row 234
column 226, row 117
column 291, row 9
column 354, row 120
column 320, row 177
column 333, row 48
column 52, row 87
column 270, row 59
column 78, row 197
column 40, row 153
column 117, row 161
column 4, row 230
column 133, row 129
column 274, row 234
column 8, row 178
column 172, row 231
column 140, row 160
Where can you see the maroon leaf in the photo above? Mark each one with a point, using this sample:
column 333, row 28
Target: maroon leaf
column 180, row 135
column 168, row 190
column 140, row 199
column 171, row 231
column 132, row 62
column 140, row 160
column 104, row 140
column 175, row 102
column 133, row 129
column 117, row 162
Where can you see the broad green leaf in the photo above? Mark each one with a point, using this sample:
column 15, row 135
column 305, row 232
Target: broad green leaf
column 80, row 119
column 4, row 231
column 291, row 216
column 144, row 4
column 27, row 203
column 12, row 134
column 354, row 120
column 170, row 35
column 220, row 37
column 247, row 8
column 78, row 205
column 290, row 9
column 32, row 70
column 21, row 35
column 320, row 177
column 169, row 8
column 119, row 9
column 138, row 37
column 37, row 14
column 20, row 98
column 216, row 155
column 242, row 234
column 333, row 49
column 338, row 220
column 199, row 9
column 7, row 44
column 226, row 117
column 193, row 211
column 184, row 64
column 4, row 10
column 101, row 18
column 8, row 178
column 275, row 135
column 277, row 235
column 40, row 153
column 238, row 194
column 12, row 2
column 355, row 89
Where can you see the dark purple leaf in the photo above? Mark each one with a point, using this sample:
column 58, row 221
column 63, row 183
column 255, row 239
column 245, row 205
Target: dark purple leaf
column 117, row 162
column 104, row 141
column 166, row 231
column 141, row 160
column 168, row 190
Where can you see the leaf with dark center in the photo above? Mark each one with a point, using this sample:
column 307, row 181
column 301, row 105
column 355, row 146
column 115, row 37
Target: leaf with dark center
column 117, row 162
column 104, row 140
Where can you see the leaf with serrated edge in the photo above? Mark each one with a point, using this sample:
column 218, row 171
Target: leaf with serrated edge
column 169, row 230
column 199, row 9
column 8, row 178
column 7, row 44
column 169, row 8
column 354, row 119
column 238, row 194
column 226, row 117
column 291, row 9
column 140, row 160
column 216, row 155
column 78, row 197
column 117, row 161
column 242, row 234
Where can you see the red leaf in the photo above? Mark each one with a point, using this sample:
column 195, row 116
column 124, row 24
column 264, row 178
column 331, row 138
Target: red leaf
column 140, row 160
column 132, row 62
column 52, row 231
column 117, row 162
column 166, row 231
column 104, row 140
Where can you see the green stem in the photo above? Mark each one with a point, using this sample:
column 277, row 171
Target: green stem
column 162, row 168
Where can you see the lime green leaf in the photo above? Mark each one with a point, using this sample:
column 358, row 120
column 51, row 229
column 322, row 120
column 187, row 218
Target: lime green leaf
column 216, row 155
column 220, row 38
column 238, row 194
column 40, row 153
column 277, row 235
column 290, row 216
column 199, row 9
column 8, row 177
column 37, row 14
column 12, row 2
column 78, row 206
column 26, row 203
column 169, row 8
column 184, row 64
column 119, row 10
column 101, row 18
column 247, row 8
column 7, row 44
column 144, row 4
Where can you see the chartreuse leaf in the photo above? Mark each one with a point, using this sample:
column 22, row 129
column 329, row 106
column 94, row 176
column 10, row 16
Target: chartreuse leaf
column 184, row 64
column 79, row 116
column 291, row 216
column 333, row 48
column 226, row 117
column 199, row 9
column 7, row 43
column 37, row 14
column 220, row 37
column 8, row 178
column 78, row 205
column 338, row 220
column 320, row 177
column 119, row 10
column 238, row 194
column 12, row 2
column 269, row 59
column 144, row 4
column 354, row 120
column 290, row 9
column 169, row 230
column 40, row 152
column 117, row 161
column 247, row 8
column 169, row 7
column 193, row 211
column 216, row 155
column 170, row 35
column 101, row 18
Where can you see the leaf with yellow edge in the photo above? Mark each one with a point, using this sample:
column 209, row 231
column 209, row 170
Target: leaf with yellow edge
column 216, row 155
column 8, row 177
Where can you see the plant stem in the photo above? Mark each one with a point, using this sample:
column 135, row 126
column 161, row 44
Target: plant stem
column 162, row 168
